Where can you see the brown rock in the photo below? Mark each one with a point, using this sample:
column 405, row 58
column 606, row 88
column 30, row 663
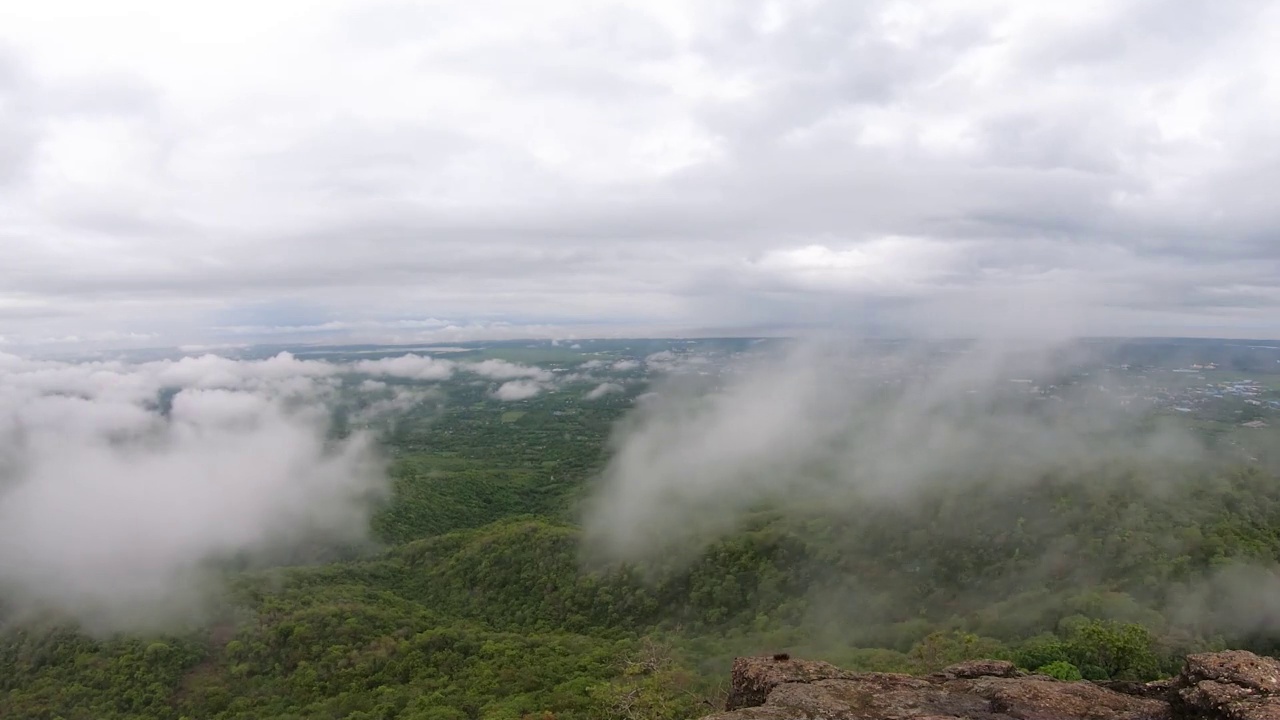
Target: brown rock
column 977, row 669
column 1235, row 667
column 1233, row 685
column 1210, row 694
column 766, row 689
column 755, row 677
column 1158, row 690
column 881, row 695
column 1039, row 698
column 1215, row 686
column 1250, row 709
column 867, row 696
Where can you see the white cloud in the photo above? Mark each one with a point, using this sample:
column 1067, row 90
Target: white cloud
column 883, row 266
column 413, row 367
column 217, row 371
column 197, row 349
column 337, row 326
column 667, row 361
column 518, row 390
column 822, row 424
column 115, row 510
column 388, row 403
column 603, row 389
column 572, row 170
column 503, row 370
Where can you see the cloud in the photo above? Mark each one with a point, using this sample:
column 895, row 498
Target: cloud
column 420, row 367
column 828, row 424
column 218, row 371
column 602, row 390
column 411, row 366
column 667, row 361
column 518, row 390
column 890, row 266
column 503, row 370
column 1236, row 598
column 686, row 166
column 124, row 487
column 387, row 403
column 337, row 326
column 198, row 349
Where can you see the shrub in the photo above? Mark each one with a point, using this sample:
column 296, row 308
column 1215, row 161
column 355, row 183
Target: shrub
column 1061, row 670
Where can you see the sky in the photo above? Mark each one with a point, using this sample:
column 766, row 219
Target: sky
column 180, row 174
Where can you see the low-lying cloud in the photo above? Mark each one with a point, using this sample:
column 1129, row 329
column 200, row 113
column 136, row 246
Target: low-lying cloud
column 125, row 487
column 424, row 367
column 843, row 442
column 604, row 389
column 829, row 424
column 411, row 367
column 518, row 390
column 503, row 370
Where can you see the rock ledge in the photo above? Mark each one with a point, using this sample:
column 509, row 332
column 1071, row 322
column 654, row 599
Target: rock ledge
column 1234, row 685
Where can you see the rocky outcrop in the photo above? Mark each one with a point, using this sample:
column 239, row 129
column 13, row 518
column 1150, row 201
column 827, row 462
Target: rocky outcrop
column 1234, row 685
column 1217, row 686
column 755, row 678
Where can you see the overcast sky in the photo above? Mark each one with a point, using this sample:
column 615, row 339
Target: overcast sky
column 204, row 173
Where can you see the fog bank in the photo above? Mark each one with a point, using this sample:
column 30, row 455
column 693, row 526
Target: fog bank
column 830, row 424
column 122, row 487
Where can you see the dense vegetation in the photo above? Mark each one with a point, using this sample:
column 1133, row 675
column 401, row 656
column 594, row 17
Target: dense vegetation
column 478, row 606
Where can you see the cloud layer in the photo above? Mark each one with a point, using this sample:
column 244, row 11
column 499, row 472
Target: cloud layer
column 124, row 488
column 634, row 167
column 826, row 425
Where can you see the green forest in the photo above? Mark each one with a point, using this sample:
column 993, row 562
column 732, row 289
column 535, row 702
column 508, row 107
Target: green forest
column 476, row 602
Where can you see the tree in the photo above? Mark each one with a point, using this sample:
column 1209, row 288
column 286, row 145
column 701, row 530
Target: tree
column 1061, row 670
column 1120, row 651
column 942, row 648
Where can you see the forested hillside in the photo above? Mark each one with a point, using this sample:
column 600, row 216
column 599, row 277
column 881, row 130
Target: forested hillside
column 481, row 600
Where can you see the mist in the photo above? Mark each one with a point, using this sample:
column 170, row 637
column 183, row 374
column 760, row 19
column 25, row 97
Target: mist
column 902, row 464
column 826, row 424
column 118, row 508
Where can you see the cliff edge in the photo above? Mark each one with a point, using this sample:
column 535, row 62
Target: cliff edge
column 1233, row 685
